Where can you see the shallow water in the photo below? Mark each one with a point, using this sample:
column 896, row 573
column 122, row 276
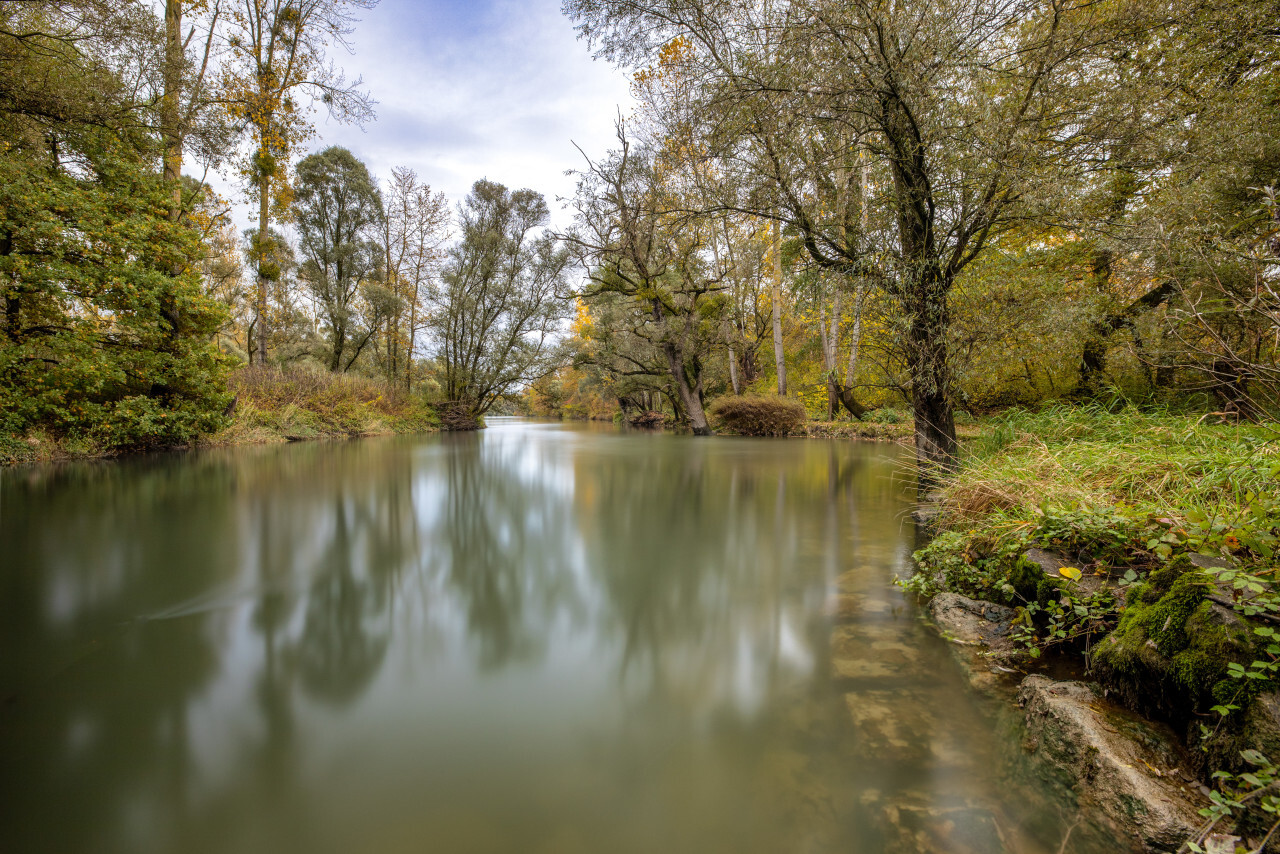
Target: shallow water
column 539, row 638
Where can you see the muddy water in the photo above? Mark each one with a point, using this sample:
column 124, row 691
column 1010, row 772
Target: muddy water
column 542, row 638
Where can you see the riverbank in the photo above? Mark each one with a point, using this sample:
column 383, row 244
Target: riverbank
column 270, row 406
column 878, row 431
column 1142, row 548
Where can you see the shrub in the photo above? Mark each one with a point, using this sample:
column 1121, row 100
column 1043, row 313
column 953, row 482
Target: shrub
column 759, row 415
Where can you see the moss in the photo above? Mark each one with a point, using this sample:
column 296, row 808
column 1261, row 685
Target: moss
column 1170, row 652
column 1030, row 582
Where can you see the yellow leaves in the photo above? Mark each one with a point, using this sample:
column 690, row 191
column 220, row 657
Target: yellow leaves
column 581, row 326
column 1070, row 572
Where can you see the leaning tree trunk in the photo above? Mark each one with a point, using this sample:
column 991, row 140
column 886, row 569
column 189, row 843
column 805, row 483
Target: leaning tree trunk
column 845, row 391
column 689, row 392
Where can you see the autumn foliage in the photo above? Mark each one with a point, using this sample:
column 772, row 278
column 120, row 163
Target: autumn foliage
column 759, row 415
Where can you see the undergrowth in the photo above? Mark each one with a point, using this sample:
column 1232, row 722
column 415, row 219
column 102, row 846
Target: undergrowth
column 274, row 405
column 1165, row 532
column 758, row 415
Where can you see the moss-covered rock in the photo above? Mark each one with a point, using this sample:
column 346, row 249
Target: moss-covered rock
column 1169, row 655
column 1119, row 769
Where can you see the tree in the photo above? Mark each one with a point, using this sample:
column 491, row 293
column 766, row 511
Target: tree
column 339, row 214
column 88, row 253
column 957, row 102
column 635, row 242
column 415, row 228
column 277, row 56
column 500, row 301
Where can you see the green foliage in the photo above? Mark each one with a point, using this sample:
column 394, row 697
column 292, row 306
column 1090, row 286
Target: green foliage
column 102, row 340
column 759, row 415
column 1251, row 794
column 1126, row 497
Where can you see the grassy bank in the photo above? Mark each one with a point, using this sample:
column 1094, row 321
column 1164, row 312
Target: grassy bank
column 278, row 406
column 1156, row 567
column 1120, row 495
column 270, row 406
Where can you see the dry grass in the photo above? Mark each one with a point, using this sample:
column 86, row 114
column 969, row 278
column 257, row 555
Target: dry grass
column 759, row 415
column 274, row 405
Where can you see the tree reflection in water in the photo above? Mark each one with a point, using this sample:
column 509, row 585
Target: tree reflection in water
column 534, row 636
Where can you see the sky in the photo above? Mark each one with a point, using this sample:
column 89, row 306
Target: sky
column 470, row 89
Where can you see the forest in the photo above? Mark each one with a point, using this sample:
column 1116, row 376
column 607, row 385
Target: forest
column 899, row 215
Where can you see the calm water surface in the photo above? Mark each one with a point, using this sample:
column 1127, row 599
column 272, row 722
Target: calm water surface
column 541, row 638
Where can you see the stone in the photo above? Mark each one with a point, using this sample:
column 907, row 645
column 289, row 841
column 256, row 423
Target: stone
column 900, row 726
column 872, row 651
column 978, row 632
column 971, row 621
column 1051, row 565
column 911, row 825
column 844, row 607
column 1115, row 763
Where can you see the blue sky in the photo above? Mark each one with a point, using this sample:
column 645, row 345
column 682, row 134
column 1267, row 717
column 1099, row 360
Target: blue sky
column 471, row 89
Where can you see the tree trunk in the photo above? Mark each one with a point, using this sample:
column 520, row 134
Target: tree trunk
column 264, row 204
column 689, row 392
column 171, row 133
column 733, row 371
column 1093, row 356
column 170, row 105
column 779, row 359
column 844, row 390
column 935, row 427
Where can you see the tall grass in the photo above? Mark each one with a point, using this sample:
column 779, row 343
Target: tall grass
column 273, row 404
column 1068, row 456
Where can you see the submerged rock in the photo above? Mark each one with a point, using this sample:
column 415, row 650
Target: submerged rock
column 1116, row 765
column 979, row 632
column 875, row 650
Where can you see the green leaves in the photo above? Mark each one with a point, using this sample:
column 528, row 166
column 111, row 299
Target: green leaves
column 107, row 341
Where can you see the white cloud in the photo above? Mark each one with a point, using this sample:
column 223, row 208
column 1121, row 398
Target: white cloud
column 496, row 89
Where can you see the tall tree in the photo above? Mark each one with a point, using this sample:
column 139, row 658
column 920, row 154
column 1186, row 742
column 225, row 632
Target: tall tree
column 87, row 250
column 277, row 59
column 339, row 213
column 499, row 305
column 953, row 99
column 634, row 239
column 414, row 231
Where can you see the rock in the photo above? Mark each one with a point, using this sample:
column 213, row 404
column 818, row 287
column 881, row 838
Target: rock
column 979, row 633
column 902, row 726
column 1168, row 655
column 1115, row 763
column 958, row 830
column 1052, row 564
column 872, row 651
column 844, row 607
column 971, row 621
column 1209, row 561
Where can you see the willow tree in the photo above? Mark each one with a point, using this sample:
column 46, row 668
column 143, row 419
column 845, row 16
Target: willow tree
column 499, row 304
column 339, row 214
column 276, row 66
column 957, row 103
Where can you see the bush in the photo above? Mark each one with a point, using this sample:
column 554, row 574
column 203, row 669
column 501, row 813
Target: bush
column 759, row 415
